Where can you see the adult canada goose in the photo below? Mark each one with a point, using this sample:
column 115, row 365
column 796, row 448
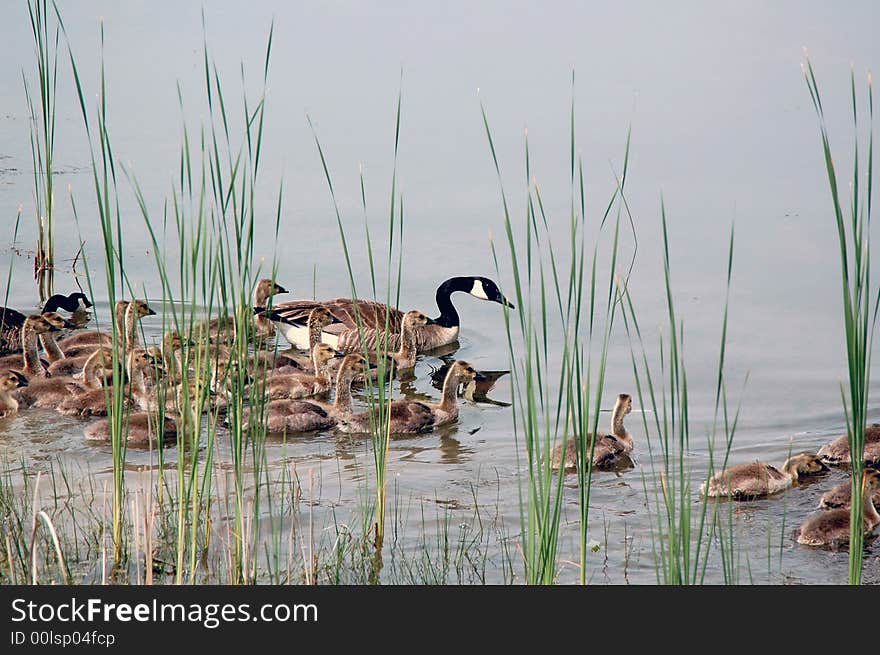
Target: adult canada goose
column 840, row 495
column 442, row 331
column 222, row 329
column 831, row 527
column 608, row 449
column 300, row 384
column 134, row 311
column 11, row 321
column 836, row 452
column 406, row 416
column 10, row 381
column 756, row 479
column 33, row 326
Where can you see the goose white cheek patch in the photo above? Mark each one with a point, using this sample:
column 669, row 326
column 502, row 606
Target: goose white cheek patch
column 478, row 291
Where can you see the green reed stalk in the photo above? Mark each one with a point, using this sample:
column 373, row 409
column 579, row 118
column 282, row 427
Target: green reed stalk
column 547, row 407
column 379, row 403
column 860, row 302
column 42, row 136
column 679, row 543
column 107, row 201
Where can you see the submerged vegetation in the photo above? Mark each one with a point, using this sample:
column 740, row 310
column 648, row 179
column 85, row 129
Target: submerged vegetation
column 227, row 501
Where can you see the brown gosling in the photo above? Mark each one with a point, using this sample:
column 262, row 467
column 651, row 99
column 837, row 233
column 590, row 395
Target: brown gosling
column 34, row 325
column 836, row 452
column 144, row 429
column 405, row 343
column 134, row 311
column 831, row 527
column 757, row 479
column 406, row 416
column 77, row 343
column 222, row 329
column 53, row 352
column 841, row 496
column 608, row 449
column 300, row 384
column 90, row 396
column 9, row 382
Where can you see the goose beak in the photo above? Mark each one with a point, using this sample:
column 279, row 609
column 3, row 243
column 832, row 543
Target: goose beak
column 504, row 301
column 86, row 303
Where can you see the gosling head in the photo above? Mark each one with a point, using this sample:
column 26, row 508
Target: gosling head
column 174, row 341
column 40, row 324
column 140, row 308
column 414, row 318
column 58, row 320
column 12, row 380
column 142, row 359
column 465, row 372
column 268, row 287
column 803, row 465
column 870, row 481
column 352, row 365
column 323, row 353
column 624, row 404
column 322, row 317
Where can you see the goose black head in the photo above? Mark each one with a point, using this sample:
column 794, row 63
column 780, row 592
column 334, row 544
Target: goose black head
column 477, row 286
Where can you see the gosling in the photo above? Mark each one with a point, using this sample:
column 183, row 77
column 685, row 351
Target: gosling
column 758, row 479
column 831, row 527
column 608, row 450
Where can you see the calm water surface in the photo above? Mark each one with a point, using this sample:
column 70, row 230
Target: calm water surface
column 723, row 128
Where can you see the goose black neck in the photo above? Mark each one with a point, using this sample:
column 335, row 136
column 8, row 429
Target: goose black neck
column 58, row 301
column 448, row 316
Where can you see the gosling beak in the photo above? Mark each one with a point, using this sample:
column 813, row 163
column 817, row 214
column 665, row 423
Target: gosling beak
column 54, row 328
column 479, row 377
column 338, row 355
column 280, row 289
column 69, row 324
column 22, row 380
column 373, row 366
column 151, row 311
column 431, row 321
